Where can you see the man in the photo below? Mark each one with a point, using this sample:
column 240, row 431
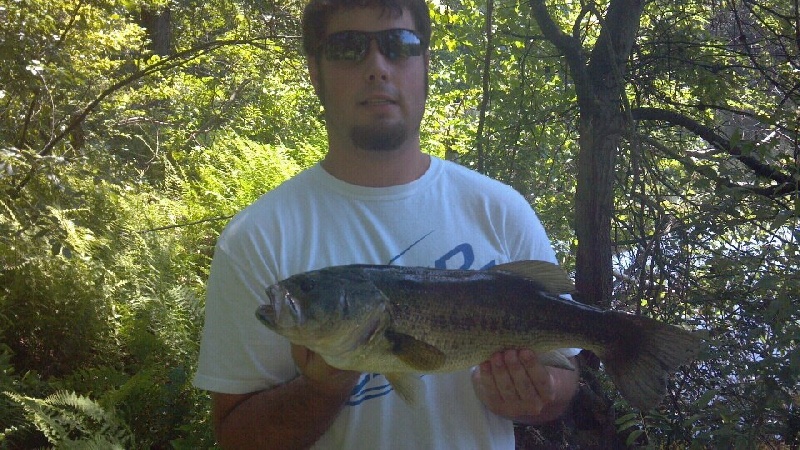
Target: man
column 376, row 198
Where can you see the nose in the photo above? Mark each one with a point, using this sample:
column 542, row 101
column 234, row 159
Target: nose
column 376, row 64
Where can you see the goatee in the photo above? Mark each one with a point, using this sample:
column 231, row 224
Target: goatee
column 379, row 139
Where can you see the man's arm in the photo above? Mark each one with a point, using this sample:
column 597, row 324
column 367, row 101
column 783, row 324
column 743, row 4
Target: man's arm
column 515, row 385
column 292, row 415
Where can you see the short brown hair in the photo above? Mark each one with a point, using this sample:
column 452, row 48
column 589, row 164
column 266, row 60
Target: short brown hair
column 317, row 13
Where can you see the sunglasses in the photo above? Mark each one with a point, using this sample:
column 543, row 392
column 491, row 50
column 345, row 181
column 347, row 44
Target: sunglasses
column 351, row 45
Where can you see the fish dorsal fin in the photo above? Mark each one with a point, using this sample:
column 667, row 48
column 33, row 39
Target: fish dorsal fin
column 419, row 355
column 550, row 276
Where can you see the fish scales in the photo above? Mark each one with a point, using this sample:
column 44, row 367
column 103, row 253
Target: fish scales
column 403, row 321
column 486, row 313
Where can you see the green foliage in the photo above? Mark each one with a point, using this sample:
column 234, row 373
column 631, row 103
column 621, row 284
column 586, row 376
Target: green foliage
column 234, row 171
column 72, row 421
column 118, row 169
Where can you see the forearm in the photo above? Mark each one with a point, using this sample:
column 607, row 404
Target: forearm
column 292, row 415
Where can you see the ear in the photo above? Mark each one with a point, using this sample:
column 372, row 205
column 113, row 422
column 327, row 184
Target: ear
column 313, row 72
column 427, row 62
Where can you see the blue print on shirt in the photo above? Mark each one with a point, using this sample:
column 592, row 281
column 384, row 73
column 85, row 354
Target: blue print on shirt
column 468, row 258
column 463, row 249
column 374, row 385
column 361, row 393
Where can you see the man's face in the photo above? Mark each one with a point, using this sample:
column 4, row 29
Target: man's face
column 375, row 104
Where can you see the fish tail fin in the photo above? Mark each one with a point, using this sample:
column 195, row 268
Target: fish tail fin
column 642, row 355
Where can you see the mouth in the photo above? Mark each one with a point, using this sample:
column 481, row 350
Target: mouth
column 281, row 309
column 266, row 314
column 378, row 100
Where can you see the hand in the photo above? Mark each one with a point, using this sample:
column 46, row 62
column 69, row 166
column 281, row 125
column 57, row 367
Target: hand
column 322, row 376
column 514, row 384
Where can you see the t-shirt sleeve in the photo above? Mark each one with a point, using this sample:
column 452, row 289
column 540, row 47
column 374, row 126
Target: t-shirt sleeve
column 527, row 238
column 238, row 354
column 530, row 242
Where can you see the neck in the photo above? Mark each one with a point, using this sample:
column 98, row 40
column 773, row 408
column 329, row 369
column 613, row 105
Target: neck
column 377, row 168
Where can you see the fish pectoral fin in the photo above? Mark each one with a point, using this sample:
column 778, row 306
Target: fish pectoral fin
column 406, row 385
column 550, row 276
column 418, row 354
column 556, row 359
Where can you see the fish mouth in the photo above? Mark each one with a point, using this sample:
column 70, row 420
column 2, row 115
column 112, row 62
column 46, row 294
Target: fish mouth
column 266, row 315
column 281, row 311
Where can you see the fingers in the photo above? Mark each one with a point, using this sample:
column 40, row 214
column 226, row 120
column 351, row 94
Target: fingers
column 308, row 362
column 485, row 386
column 311, row 364
column 316, row 370
column 537, row 377
column 518, row 380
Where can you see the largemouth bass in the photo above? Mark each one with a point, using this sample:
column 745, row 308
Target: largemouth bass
column 405, row 321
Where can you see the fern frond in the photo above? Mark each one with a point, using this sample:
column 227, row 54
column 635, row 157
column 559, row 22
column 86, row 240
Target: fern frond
column 84, row 405
column 73, row 421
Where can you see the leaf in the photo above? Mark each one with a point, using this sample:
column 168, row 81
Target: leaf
column 706, row 398
column 781, row 218
column 633, row 437
column 628, row 421
column 69, row 420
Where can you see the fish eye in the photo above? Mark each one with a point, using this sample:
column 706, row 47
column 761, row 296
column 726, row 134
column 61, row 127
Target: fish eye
column 293, row 304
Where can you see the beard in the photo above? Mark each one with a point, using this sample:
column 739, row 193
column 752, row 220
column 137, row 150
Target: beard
column 373, row 138
column 379, row 139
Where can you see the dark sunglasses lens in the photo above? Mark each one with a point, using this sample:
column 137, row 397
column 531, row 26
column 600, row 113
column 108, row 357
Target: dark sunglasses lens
column 354, row 45
column 399, row 44
column 346, row 46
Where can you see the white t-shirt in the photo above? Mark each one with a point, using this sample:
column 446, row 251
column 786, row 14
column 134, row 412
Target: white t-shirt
column 450, row 218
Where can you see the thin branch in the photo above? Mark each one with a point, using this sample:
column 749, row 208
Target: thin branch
column 187, row 224
column 787, row 183
column 486, row 78
column 164, row 64
column 772, row 192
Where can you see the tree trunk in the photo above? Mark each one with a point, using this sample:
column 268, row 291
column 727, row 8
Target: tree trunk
column 157, row 23
column 600, row 88
column 598, row 74
column 594, row 205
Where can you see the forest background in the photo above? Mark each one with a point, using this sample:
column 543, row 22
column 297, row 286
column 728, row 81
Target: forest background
column 658, row 141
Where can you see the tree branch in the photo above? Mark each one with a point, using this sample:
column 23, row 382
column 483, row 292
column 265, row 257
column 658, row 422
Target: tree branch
column 617, row 35
column 786, row 183
column 187, row 224
column 569, row 46
column 170, row 62
column 486, row 78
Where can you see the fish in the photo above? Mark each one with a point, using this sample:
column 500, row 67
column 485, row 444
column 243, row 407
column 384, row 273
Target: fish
column 404, row 322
